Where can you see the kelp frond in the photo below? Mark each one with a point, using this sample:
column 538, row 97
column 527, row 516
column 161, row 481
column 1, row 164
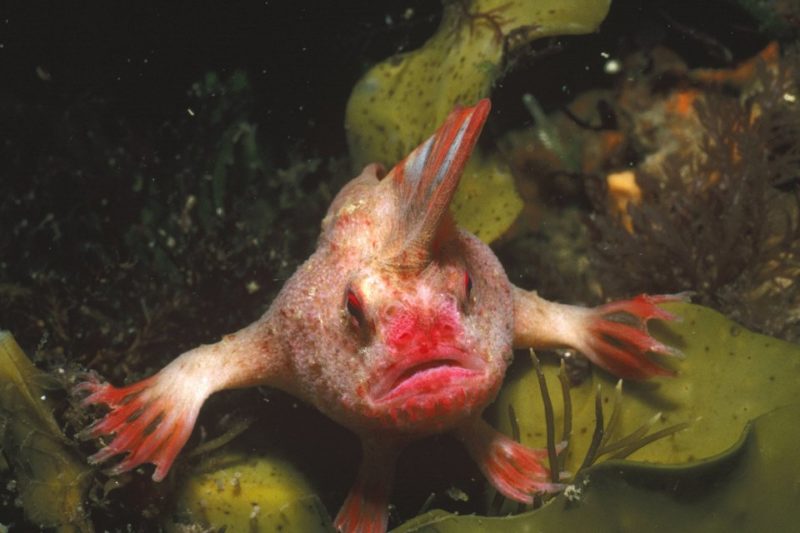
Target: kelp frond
column 603, row 443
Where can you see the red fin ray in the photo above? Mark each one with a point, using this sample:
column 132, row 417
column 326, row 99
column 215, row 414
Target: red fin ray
column 366, row 508
column 516, row 471
column 621, row 348
column 150, row 420
column 427, row 179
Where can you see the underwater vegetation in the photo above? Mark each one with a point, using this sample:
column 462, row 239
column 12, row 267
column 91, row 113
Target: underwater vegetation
column 686, row 176
column 718, row 212
column 725, row 381
column 398, row 102
column 51, row 479
column 754, row 491
column 248, row 493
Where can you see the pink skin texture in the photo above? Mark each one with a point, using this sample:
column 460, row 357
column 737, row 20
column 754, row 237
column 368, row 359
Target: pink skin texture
column 400, row 325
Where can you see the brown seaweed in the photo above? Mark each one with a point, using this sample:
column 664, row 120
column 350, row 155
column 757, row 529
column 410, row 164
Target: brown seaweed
column 724, row 220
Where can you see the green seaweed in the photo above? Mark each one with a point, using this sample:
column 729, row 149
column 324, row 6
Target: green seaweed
column 50, row 479
column 239, row 492
column 751, row 486
column 400, row 101
column 728, row 377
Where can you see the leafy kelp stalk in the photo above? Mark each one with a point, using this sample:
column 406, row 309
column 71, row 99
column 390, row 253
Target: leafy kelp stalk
column 721, row 220
column 399, row 101
column 601, row 444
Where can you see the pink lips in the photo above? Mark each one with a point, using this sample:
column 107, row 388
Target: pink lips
column 414, row 375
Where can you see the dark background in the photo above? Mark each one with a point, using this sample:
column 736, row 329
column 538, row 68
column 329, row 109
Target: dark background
column 144, row 56
column 302, row 58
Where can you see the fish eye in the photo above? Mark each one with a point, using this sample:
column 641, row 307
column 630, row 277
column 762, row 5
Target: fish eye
column 467, row 284
column 354, row 306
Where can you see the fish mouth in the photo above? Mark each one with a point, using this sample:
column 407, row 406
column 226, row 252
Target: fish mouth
column 414, row 376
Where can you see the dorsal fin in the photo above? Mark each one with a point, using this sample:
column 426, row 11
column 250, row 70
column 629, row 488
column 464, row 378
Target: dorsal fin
column 425, row 182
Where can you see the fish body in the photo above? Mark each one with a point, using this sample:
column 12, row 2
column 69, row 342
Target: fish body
column 399, row 325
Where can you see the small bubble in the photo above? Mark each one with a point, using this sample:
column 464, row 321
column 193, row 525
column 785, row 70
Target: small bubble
column 612, row 67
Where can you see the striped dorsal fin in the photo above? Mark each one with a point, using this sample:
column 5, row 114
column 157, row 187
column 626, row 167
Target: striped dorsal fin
column 425, row 182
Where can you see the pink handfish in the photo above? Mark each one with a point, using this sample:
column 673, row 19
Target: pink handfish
column 399, row 325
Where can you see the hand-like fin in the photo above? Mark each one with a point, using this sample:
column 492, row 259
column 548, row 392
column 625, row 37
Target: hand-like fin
column 516, row 471
column 366, row 508
column 151, row 421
